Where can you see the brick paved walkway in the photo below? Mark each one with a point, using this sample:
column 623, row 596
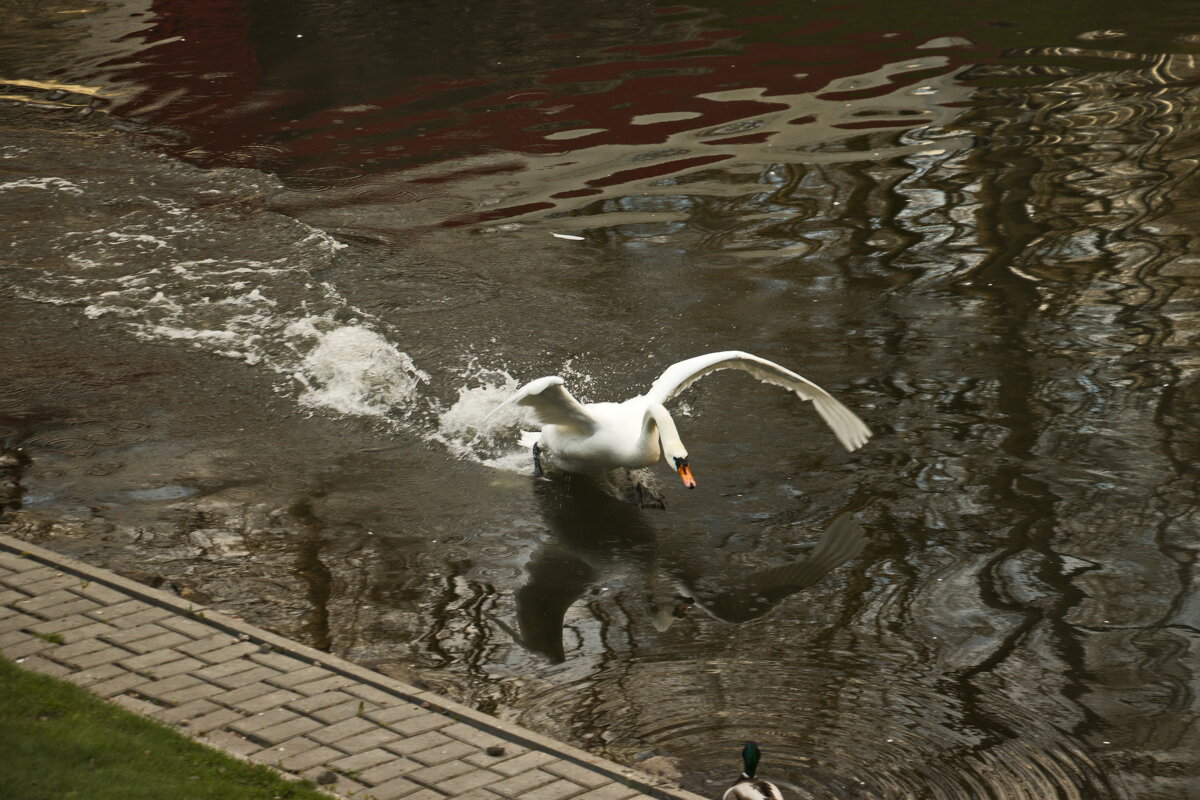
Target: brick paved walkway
column 277, row 702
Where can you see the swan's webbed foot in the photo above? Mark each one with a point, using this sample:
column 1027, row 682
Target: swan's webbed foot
column 537, row 462
column 646, row 498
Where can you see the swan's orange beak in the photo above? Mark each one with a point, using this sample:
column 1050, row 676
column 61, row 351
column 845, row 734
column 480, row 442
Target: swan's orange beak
column 685, row 472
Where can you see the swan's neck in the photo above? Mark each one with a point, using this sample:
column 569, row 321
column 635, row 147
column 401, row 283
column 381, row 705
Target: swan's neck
column 668, row 434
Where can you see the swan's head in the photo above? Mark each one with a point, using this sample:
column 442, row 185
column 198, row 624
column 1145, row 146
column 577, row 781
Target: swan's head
column 685, row 472
column 672, row 448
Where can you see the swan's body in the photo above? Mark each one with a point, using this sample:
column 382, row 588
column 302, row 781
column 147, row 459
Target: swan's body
column 595, row 438
column 747, row 786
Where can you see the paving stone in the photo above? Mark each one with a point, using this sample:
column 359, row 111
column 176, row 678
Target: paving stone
column 136, row 705
column 150, row 659
column 99, row 592
column 231, row 742
column 446, row 752
column 575, row 773
column 63, row 624
column 317, row 702
column 289, row 679
column 26, row 648
column 178, row 689
column 88, row 677
column 420, row 724
column 265, row 719
column 372, row 695
column 552, row 791
column 426, row 794
column 532, row 759
column 125, row 635
column 112, row 613
column 334, row 714
column 76, row 606
column 255, row 674
column 11, row 638
column 44, row 666
column 160, row 642
column 522, row 782
column 396, row 713
column 479, row 794
column 188, row 626
column 482, row 759
column 217, row 719
column 363, row 761
column 146, row 613
column 342, row 785
column 51, row 584
column 346, row 728
column 310, row 758
column 186, row 711
column 394, row 768
column 366, row 740
column 10, row 596
column 256, row 697
column 474, row 779
column 300, row 726
column 95, row 658
column 236, row 650
column 118, row 684
column 470, row 735
column 610, row 791
column 39, row 601
column 17, row 562
column 92, row 631
column 79, row 648
column 278, row 661
column 283, row 751
column 208, row 644
column 31, row 575
column 394, row 789
column 442, row 772
column 17, row 621
column 179, row 666
column 416, row 744
column 322, row 685
column 225, row 669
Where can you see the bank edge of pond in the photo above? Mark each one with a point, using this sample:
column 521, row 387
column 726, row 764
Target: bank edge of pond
column 275, row 701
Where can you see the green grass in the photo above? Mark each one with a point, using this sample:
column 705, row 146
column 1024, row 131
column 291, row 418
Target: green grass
column 58, row 741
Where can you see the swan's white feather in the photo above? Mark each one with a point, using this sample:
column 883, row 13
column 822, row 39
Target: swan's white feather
column 552, row 404
column 846, row 425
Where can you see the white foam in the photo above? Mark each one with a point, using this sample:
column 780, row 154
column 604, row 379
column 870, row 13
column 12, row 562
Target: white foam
column 479, row 427
column 354, row 370
column 58, row 184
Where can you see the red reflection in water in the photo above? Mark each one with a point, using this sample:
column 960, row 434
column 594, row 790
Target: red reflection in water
column 414, row 120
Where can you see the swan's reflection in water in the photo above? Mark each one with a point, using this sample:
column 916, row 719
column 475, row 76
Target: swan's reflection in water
column 595, row 532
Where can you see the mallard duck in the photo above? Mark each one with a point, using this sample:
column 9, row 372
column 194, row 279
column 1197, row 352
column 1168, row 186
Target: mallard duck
column 596, row 438
column 747, row 786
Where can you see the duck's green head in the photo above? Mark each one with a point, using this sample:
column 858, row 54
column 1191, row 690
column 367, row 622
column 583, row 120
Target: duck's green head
column 750, row 756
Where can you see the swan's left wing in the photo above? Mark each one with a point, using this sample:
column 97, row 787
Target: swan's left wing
column 552, row 404
column 846, row 425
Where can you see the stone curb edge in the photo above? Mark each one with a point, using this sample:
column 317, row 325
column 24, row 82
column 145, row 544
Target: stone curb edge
column 433, row 701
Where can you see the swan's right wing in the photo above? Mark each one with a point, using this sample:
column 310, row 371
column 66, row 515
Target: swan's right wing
column 846, row 425
column 552, row 404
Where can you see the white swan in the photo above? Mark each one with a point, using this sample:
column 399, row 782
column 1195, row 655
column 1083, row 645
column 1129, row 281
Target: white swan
column 595, row 438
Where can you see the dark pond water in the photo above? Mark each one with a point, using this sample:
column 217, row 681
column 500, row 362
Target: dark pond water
column 267, row 265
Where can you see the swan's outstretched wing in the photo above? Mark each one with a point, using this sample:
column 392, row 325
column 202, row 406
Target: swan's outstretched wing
column 552, row 404
column 846, row 425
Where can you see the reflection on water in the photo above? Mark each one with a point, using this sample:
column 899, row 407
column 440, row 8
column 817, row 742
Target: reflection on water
column 595, row 532
column 264, row 380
